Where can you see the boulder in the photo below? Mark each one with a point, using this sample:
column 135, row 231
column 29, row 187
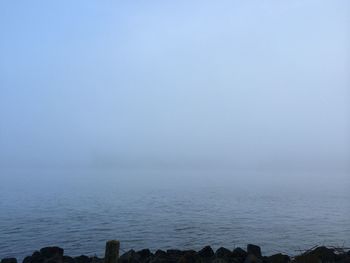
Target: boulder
column 129, row 257
column 318, row 255
column 82, row 259
column 254, row 250
column 239, row 253
column 223, row 253
column 9, row 260
column 96, row 259
column 144, row 254
column 160, row 257
column 36, row 257
column 67, row 259
column 278, row 258
column 252, row 259
column 206, row 252
column 188, row 257
column 50, row 252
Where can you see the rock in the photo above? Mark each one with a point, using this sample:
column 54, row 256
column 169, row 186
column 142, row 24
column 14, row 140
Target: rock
column 206, row 252
column 144, row 253
column 112, row 251
column 9, row 260
column 223, row 253
column 129, row 257
column 239, row 253
column 36, row 257
column 50, row 252
column 160, row 257
column 67, row 259
column 188, row 257
column 160, row 253
column 254, row 250
column 252, row 259
column 96, row 259
column 82, row 259
column 174, row 253
column 27, row 259
column 278, row 258
column 318, row 255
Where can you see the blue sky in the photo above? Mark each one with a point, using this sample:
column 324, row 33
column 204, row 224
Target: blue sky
column 175, row 84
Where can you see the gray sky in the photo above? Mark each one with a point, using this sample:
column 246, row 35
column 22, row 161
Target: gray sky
column 175, row 84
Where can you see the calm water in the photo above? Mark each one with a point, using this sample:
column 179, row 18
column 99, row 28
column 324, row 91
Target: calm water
column 80, row 210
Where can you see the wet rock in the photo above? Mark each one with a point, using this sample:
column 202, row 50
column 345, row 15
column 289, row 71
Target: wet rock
column 36, row 257
column 252, row 259
column 318, row 255
column 129, row 257
column 278, row 258
column 160, row 253
column 239, row 253
column 96, row 259
column 67, row 259
column 160, row 257
column 223, row 253
column 9, row 260
column 50, row 252
column 188, row 257
column 206, row 252
column 144, row 253
column 82, row 259
column 254, row 250
column 27, row 259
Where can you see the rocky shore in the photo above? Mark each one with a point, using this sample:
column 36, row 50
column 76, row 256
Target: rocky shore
column 252, row 254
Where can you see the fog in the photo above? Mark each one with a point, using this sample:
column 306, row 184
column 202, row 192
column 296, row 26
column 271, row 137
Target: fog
column 175, row 85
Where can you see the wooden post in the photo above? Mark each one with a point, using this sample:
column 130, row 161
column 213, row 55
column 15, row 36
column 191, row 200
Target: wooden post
column 112, row 251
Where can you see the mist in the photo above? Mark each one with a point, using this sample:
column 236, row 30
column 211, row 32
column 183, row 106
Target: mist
column 185, row 85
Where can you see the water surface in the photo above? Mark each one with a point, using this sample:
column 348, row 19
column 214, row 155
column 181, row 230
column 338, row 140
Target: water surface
column 80, row 209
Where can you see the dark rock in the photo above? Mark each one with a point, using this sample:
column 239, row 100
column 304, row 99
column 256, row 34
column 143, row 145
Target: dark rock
column 344, row 259
column 27, row 259
column 278, row 258
column 144, row 253
column 82, row 259
column 160, row 257
column 174, row 253
column 96, row 259
column 160, row 253
column 223, row 253
column 252, row 259
column 67, row 259
column 36, row 257
column 206, row 252
column 254, row 250
column 188, row 257
column 320, row 254
column 9, row 260
column 239, row 253
column 50, row 252
column 129, row 257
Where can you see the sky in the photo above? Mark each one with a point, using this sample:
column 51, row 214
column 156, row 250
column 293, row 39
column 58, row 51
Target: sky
column 175, row 84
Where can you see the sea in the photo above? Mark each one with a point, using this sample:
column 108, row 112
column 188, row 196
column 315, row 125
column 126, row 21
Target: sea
column 80, row 209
